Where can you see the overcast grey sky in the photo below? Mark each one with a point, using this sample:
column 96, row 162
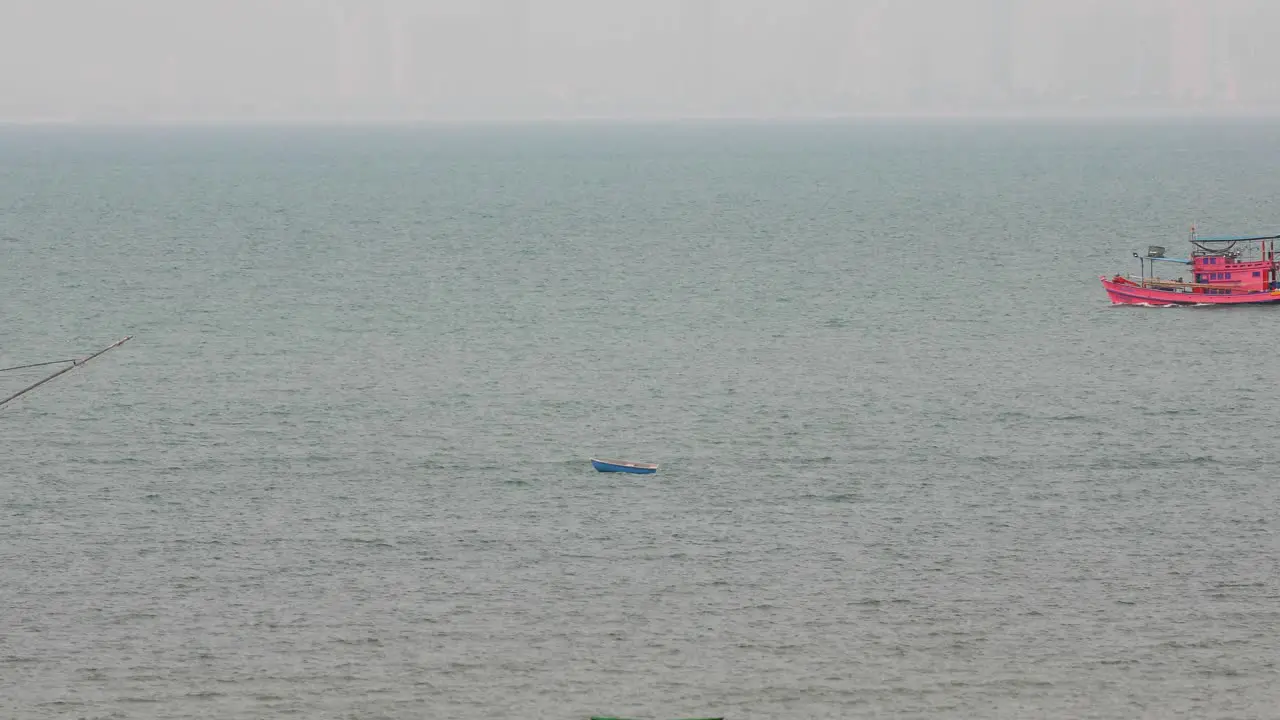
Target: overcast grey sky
column 512, row 59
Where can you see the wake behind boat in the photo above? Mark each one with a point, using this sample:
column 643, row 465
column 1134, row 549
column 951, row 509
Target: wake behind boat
column 1226, row 270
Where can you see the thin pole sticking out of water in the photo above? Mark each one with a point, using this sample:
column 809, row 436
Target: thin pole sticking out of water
column 24, row 367
column 74, row 364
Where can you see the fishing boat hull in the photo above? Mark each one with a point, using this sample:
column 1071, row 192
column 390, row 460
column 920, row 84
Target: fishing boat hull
column 623, row 467
column 1123, row 291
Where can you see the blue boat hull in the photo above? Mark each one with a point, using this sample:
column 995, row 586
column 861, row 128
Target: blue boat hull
column 605, row 466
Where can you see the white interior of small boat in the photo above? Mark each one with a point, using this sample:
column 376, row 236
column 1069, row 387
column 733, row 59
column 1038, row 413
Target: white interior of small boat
column 624, row 463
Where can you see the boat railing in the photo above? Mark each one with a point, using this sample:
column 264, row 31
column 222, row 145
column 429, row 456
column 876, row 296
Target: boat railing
column 1170, row 284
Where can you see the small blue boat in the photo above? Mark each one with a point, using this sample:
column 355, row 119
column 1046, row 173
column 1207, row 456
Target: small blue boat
column 625, row 467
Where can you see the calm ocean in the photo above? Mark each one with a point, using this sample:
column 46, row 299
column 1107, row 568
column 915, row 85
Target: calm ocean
column 913, row 462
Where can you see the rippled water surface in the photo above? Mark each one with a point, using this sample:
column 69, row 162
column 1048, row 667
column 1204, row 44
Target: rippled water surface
column 913, row 463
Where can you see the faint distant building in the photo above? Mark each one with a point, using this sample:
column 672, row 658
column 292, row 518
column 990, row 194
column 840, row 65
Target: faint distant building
column 1217, row 58
column 906, row 65
column 1002, row 24
column 834, row 85
column 1189, row 59
column 1229, row 49
column 369, row 52
column 868, row 75
column 1107, row 49
column 348, row 50
column 1251, row 40
column 517, row 35
column 470, row 59
column 1151, row 70
column 959, row 67
column 697, row 28
column 1035, row 56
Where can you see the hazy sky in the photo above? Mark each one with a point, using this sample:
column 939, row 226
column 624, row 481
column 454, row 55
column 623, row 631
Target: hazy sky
column 500, row 59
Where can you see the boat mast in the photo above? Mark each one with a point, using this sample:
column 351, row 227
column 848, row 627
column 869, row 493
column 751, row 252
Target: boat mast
column 74, row 364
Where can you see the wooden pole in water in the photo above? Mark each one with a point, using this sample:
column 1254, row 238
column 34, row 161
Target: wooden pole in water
column 74, row 364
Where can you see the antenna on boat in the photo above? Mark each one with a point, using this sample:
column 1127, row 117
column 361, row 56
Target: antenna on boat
column 74, row 364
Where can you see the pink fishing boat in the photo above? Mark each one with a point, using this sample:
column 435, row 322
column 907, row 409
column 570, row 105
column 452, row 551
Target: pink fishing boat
column 1225, row 270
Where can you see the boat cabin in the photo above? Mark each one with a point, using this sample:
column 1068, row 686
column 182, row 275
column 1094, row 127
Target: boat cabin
column 1227, row 274
column 1218, row 266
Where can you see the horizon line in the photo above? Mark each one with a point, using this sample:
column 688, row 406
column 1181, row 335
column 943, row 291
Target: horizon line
column 392, row 120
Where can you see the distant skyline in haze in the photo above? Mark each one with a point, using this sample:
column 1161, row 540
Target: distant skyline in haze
column 343, row 60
